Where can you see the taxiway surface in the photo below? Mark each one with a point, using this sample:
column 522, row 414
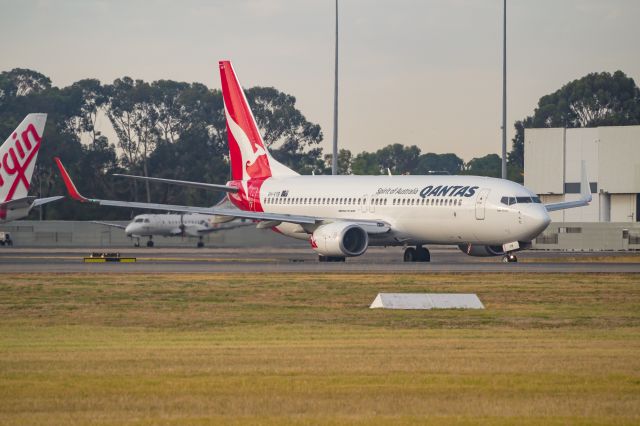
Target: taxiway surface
column 376, row 260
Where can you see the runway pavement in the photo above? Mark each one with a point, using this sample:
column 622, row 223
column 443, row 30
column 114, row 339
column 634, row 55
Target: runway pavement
column 275, row 260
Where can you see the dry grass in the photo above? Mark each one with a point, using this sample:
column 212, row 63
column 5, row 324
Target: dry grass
column 299, row 349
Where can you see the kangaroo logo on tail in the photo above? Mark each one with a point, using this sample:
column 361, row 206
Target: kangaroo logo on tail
column 18, row 157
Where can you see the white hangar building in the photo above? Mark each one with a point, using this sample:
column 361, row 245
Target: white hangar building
column 552, row 168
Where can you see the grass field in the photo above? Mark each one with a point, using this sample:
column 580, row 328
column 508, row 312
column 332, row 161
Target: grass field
column 300, row 349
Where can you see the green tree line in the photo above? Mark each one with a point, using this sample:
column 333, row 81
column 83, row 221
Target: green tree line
column 177, row 130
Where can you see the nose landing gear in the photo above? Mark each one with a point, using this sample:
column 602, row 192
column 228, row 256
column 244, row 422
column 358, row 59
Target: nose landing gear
column 418, row 254
column 150, row 242
column 509, row 258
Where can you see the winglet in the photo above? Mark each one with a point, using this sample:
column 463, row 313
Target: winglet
column 585, row 194
column 585, row 189
column 71, row 188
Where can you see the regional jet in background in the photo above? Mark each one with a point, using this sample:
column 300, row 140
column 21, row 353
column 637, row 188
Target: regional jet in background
column 341, row 216
column 175, row 225
column 18, row 156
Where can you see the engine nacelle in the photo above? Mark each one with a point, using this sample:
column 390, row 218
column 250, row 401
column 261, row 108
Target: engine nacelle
column 340, row 239
column 486, row 251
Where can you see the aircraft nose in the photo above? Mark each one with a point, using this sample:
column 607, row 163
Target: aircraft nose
column 536, row 219
column 129, row 229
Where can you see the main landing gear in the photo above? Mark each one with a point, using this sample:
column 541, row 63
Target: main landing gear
column 509, row 258
column 418, row 254
column 200, row 242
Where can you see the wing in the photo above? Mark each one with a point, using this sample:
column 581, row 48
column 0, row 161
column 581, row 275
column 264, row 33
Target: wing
column 585, row 195
column 201, row 185
column 114, row 225
column 40, row 201
column 28, row 202
column 309, row 223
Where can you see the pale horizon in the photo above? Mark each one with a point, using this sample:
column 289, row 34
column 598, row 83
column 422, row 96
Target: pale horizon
column 425, row 73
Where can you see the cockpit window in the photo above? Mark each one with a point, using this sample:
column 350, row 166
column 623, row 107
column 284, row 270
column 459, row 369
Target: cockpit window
column 138, row 221
column 519, row 200
column 508, row 200
column 523, row 199
column 146, row 221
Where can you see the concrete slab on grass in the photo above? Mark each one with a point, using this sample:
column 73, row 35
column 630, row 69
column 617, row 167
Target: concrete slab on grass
column 426, row 301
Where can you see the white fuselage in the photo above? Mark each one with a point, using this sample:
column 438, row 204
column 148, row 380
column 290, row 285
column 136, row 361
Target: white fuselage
column 419, row 209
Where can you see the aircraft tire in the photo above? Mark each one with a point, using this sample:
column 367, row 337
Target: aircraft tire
column 423, row 254
column 410, row 254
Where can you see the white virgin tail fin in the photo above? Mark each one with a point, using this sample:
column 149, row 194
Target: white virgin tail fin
column 249, row 156
column 18, row 156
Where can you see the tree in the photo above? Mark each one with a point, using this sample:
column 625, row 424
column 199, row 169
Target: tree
column 366, row 163
column 134, row 119
column 398, row 158
column 489, row 165
column 291, row 139
column 344, row 162
column 431, row 162
column 597, row 99
column 92, row 100
column 22, row 82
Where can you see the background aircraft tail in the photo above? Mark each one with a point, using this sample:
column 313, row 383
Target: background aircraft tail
column 18, row 156
column 249, row 156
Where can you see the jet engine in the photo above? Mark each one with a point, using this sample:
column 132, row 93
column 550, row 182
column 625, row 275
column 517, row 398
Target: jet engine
column 486, row 251
column 340, row 239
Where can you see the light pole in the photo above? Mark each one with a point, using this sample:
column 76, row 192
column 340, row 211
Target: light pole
column 504, row 92
column 334, row 159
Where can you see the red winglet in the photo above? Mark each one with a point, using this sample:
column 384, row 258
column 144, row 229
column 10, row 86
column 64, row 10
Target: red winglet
column 71, row 188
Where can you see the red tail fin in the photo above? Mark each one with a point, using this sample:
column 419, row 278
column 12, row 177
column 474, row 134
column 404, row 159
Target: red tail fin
column 249, row 157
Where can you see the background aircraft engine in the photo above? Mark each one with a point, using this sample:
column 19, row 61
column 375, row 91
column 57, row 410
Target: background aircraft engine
column 486, row 251
column 340, row 239
column 481, row 251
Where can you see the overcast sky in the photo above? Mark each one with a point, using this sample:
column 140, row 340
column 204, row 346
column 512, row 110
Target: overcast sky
column 423, row 72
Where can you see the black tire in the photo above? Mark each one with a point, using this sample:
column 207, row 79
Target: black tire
column 423, row 254
column 410, row 255
column 200, row 244
column 150, row 243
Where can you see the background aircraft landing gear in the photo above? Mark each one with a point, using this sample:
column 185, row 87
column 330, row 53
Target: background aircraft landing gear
column 509, row 258
column 200, row 243
column 331, row 259
column 150, row 243
column 418, row 254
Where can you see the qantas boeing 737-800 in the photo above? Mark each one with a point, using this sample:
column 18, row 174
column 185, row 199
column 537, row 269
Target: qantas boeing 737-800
column 18, row 156
column 341, row 216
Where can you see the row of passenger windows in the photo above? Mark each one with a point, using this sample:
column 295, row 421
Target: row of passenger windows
column 519, row 200
column 361, row 201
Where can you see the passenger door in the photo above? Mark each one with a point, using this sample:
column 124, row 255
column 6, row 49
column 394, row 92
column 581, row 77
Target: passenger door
column 481, row 201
